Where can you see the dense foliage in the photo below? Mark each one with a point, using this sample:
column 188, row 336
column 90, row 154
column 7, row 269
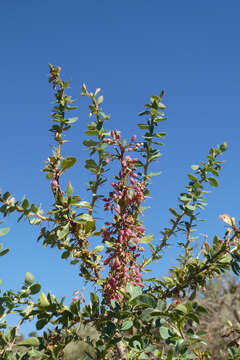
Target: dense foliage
column 135, row 316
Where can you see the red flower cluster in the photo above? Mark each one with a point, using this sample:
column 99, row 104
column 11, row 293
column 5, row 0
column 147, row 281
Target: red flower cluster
column 123, row 235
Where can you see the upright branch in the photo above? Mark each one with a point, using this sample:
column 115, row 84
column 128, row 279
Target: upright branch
column 98, row 146
column 122, row 236
column 72, row 228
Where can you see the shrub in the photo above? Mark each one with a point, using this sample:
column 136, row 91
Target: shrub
column 136, row 316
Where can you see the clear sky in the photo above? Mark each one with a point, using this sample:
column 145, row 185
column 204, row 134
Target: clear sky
column 131, row 49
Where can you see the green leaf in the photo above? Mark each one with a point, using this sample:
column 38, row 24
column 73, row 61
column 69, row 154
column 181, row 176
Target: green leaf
column 69, row 189
column 41, row 323
column 213, row 182
column 31, row 341
column 98, row 248
column 91, row 132
column 192, row 177
column 100, row 100
column 33, row 353
column 89, row 142
column 35, row 288
column 110, row 328
column 145, row 112
column 170, row 355
column 35, row 221
column 4, row 231
column 63, row 231
column 182, row 308
column 181, row 346
column 224, row 146
column 146, row 239
column 163, row 331
column 160, row 135
column 161, row 106
column 29, row 278
column 43, row 301
column 25, row 204
column 133, row 291
column 6, row 195
column 65, row 254
column 92, row 125
column 71, row 120
column 127, row 325
column 84, row 204
column 147, row 300
column 91, row 165
column 86, row 217
column 195, row 167
column 146, row 314
column 4, row 252
column 142, row 126
column 190, row 207
column 11, row 333
column 68, row 162
column 161, row 305
column 226, row 259
column 151, row 174
column 194, row 317
column 94, row 299
column 201, row 309
column 73, row 262
column 174, row 212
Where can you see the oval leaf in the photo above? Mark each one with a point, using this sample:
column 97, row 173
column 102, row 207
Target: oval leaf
column 68, row 162
column 164, row 332
column 213, row 182
column 29, row 278
column 127, row 325
column 147, row 300
column 4, row 231
column 43, row 301
column 35, row 288
column 32, row 341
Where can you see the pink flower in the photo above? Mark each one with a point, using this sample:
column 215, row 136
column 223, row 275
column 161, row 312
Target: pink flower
column 117, row 262
column 134, row 138
column 117, row 209
column 54, row 184
column 107, row 160
column 132, row 181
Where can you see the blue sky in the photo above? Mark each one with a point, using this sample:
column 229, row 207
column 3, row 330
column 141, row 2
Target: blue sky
column 131, row 49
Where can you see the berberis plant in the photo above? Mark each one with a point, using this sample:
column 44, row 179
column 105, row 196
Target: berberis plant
column 133, row 316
